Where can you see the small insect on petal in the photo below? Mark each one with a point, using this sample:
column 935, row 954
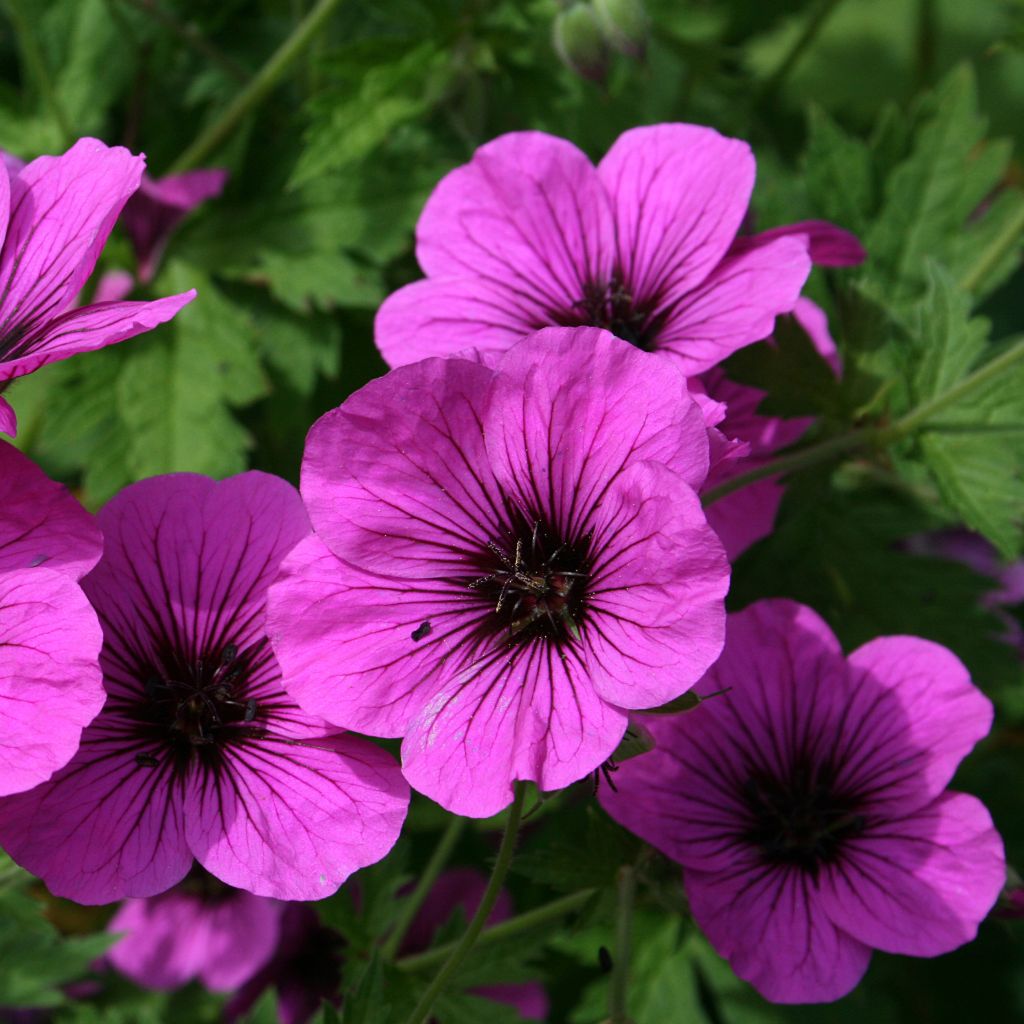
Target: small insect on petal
column 422, row 631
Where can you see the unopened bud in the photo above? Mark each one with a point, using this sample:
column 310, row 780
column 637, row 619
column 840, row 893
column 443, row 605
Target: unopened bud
column 624, row 23
column 579, row 42
column 686, row 702
column 635, row 742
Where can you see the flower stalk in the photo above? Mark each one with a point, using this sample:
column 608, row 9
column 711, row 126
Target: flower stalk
column 618, row 992
column 214, row 135
column 476, row 925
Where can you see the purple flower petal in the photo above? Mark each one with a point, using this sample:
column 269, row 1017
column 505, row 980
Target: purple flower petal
column 174, row 938
column 8, row 420
column 61, row 211
column 528, row 215
column 41, row 524
column 83, row 330
column 680, row 193
column 50, row 681
column 736, row 304
column 830, row 246
column 920, row 884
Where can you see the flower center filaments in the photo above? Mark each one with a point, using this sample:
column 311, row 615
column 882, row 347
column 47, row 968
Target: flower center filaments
column 537, row 585
column 203, row 703
column 612, row 305
column 802, row 820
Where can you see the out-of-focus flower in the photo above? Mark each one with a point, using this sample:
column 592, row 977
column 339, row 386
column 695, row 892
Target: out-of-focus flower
column 199, row 751
column 55, row 215
column 156, row 209
column 507, row 559
column 51, row 686
column 200, row 930
column 808, row 805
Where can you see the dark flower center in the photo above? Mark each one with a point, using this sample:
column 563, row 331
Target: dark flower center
column 612, row 305
column 802, row 820
column 194, row 705
column 535, row 582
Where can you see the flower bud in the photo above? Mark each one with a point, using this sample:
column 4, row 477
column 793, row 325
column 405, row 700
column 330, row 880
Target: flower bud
column 624, row 24
column 579, row 43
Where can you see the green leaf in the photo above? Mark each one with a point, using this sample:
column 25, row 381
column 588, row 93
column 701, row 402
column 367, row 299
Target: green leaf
column 35, row 960
column 321, row 280
column 176, row 392
column 838, row 171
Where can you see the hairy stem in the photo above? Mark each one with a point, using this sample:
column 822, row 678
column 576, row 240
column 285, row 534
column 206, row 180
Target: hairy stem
column 871, row 437
column 1000, row 246
column 262, row 83
column 413, row 902
column 618, row 991
column 476, row 925
column 506, row 929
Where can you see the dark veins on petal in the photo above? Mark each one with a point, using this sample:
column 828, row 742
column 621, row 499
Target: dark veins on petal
column 533, row 581
column 801, row 818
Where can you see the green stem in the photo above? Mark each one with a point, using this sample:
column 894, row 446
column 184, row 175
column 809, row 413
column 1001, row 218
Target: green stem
column 618, row 991
column 413, row 902
column 867, row 437
column 215, row 134
column 35, row 64
column 506, row 929
column 191, row 36
column 924, row 412
column 999, row 247
column 802, row 458
column 814, row 24
column 476, row 925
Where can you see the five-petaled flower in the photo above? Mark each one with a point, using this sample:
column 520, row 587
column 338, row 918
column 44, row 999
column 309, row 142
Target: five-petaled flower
column 506, row 559
column 55, row 215
column 808, row 807
column 529, row 234
column 50, row 681
column 198, row 751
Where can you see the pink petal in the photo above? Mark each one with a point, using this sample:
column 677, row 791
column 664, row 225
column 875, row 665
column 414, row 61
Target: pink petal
column 344, row 641
column 680, row 193
column 938, row 715
column 746, row 516
column 655, row 608
column 62, row 210
column 8, row 421
column 293, row 819
column 102, row 828
column 565, row 418
column 813, row 319
column 736, row 304
column 531, row 715
column 400, row 459
column 86, row 329
column 155, row 210
column 173, row 938
column 113, row 286
column 50, row 681
column 41, row 523
column 830, row 246
column 441, row 316
column 919, row 884
column 528, row 215
column 768, row 923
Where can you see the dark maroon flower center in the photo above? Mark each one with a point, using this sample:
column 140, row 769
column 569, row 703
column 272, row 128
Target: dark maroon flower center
column 802, row 820
column 613, row 306
column 535, row 582
column 197, row 705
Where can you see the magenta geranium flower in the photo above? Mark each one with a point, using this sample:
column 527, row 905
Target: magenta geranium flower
column 159, row 206
column 506, row 559
column 530, row 234
column 199, row 752
column 50, row 681
column 808, row 804
column 201, row 930
column 55, row 216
